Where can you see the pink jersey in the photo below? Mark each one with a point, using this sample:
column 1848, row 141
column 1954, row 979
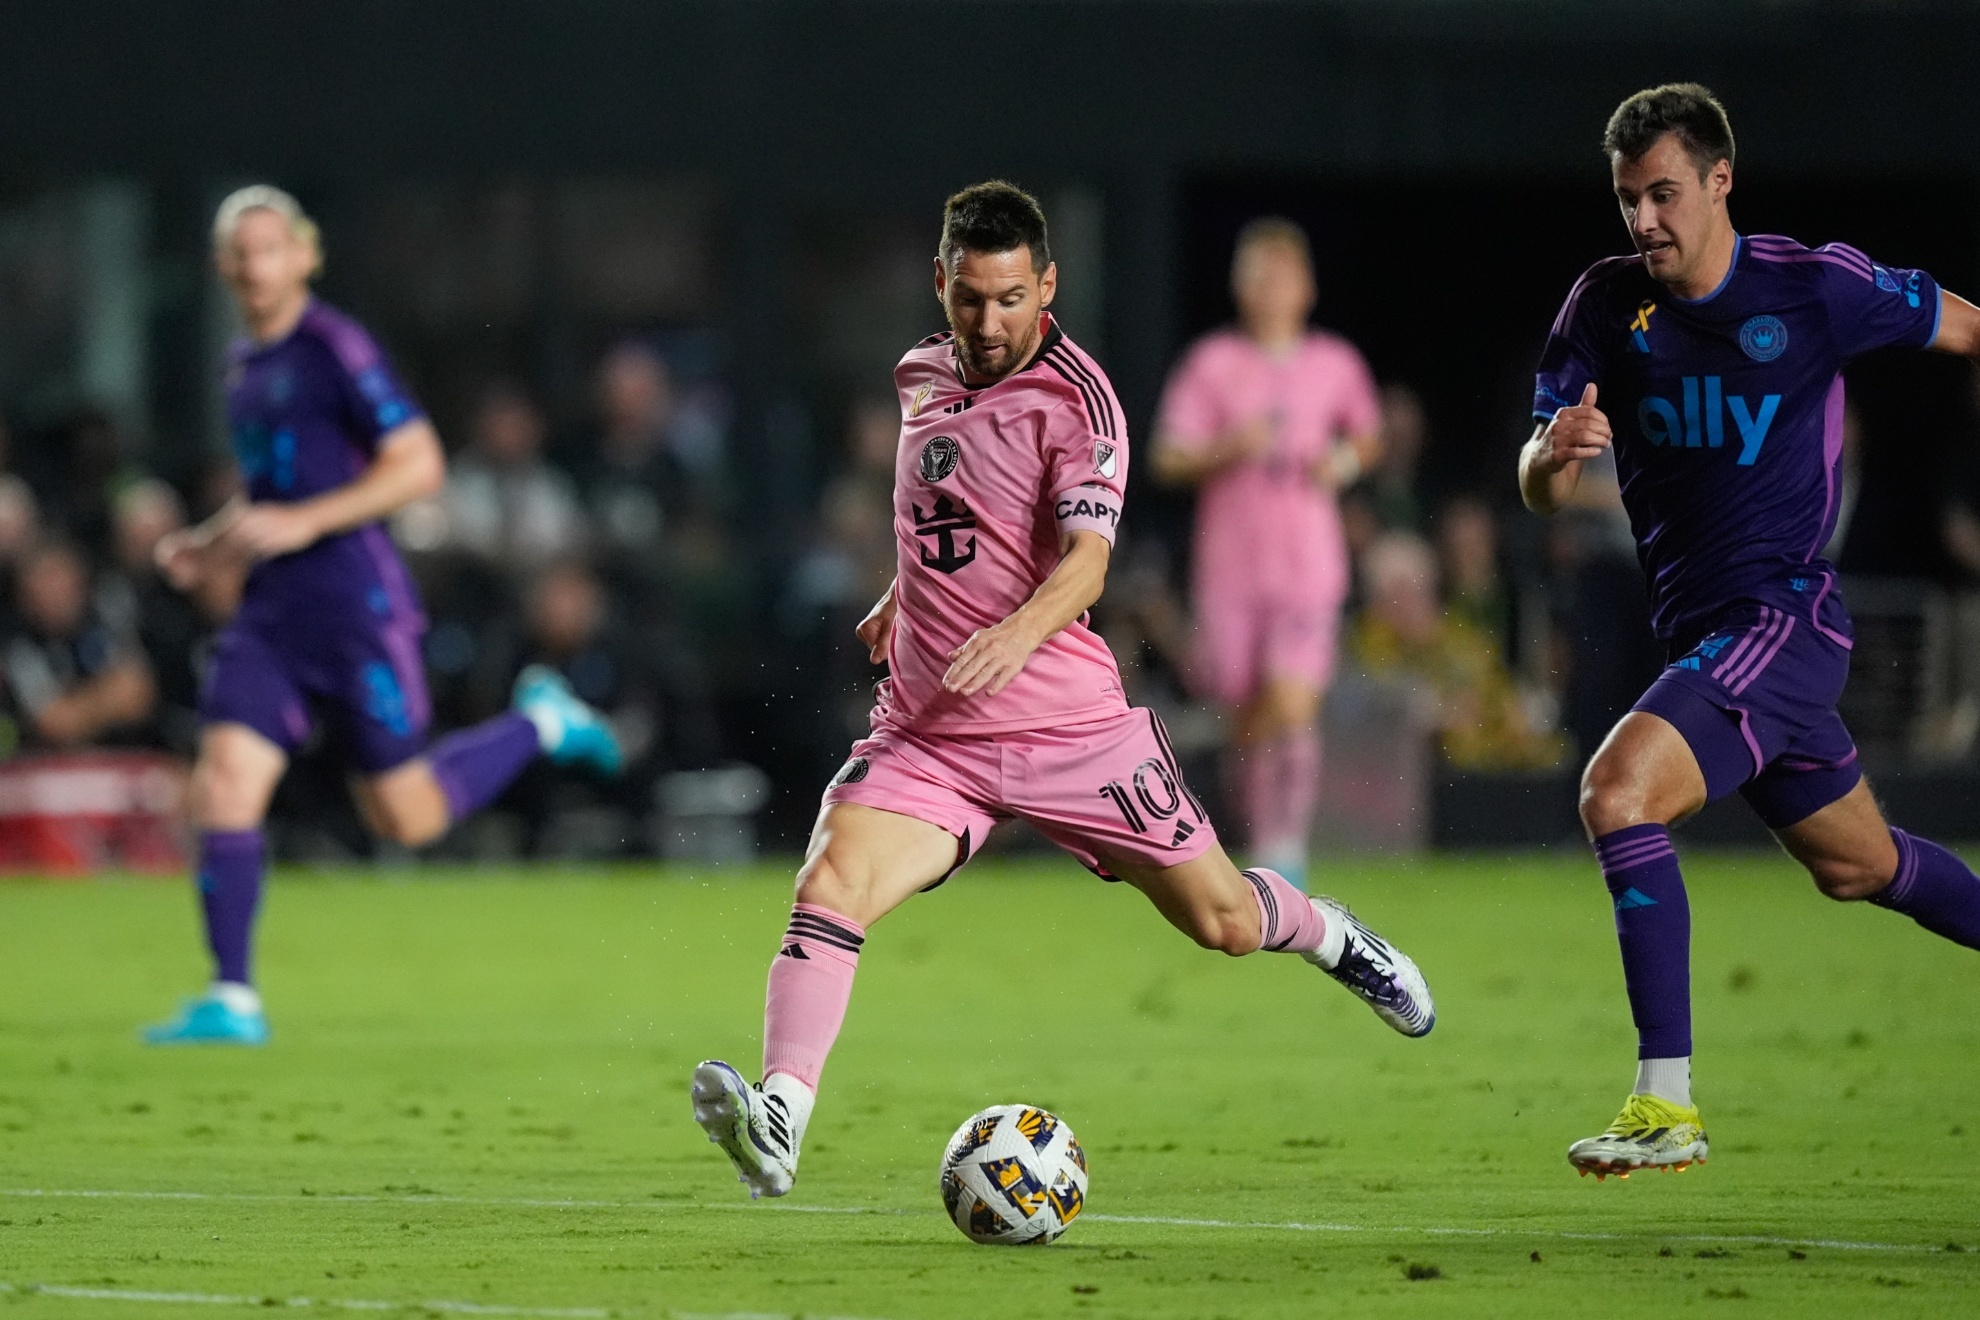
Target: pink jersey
column 1266, row 528
column 987, row 480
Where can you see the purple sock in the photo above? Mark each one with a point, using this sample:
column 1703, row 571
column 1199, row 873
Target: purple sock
column 1935, row 889
column 1653, row 924
column 474, row 765
column 230, row 866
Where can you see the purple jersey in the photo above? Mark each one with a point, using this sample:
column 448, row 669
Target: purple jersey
column 1728, row 410
column 306, row 413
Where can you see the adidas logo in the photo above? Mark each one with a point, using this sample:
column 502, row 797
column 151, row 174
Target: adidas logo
column 776, row 1115
column 1633, row 898
column 1183, row 830
column 795, row 951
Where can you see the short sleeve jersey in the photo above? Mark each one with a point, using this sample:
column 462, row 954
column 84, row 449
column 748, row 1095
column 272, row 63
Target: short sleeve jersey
column 1266, row 527
column 1728, row 409
column 306, row 415
column 986, row 481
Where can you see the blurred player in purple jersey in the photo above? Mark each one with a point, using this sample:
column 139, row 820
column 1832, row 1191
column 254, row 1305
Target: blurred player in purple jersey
column 329, row 444
column 1710, row 362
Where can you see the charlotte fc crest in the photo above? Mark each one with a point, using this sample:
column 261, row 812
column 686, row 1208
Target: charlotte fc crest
column 939, row 458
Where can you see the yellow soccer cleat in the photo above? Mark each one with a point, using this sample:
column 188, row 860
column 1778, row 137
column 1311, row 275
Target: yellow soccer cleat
column 1649, row 1133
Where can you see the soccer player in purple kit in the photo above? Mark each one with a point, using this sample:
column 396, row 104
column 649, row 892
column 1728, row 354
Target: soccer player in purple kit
column 329, row 443
column 1710, row 361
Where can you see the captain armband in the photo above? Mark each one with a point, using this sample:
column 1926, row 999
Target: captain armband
column 1088, row 508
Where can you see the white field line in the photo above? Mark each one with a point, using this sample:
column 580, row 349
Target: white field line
column 334, row 1303
column 546, row 1203
column 364, row 1304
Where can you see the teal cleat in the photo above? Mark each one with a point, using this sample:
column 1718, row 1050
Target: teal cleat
column 209, row 1021
column 571, row 731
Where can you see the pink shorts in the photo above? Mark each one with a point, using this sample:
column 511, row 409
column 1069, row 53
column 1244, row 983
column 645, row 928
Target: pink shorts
column 1105, row 789
column 1241, row 644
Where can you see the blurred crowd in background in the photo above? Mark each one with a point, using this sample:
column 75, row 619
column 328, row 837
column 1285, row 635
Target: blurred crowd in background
column 615, row 533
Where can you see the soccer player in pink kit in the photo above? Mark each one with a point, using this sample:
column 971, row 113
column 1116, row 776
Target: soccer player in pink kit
column 1269, row 418
column 1003, row 702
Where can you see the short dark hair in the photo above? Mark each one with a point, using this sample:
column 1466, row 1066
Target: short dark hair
column 1686, row 109
column 994, row 216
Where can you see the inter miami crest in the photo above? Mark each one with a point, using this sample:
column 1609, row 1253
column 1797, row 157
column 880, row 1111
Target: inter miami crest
column 939, row 458
column 852, row 771
column 942, row 525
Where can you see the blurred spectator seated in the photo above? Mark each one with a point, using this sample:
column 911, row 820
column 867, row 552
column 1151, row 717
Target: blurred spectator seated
column 20, row 521
column 1391, row 484
column 1474, row 587
column 1469, row 698
column 504, row 504
column 73, row 677
column 568, row 624
column 174, row 631
column 654, row 456
column 74, row 683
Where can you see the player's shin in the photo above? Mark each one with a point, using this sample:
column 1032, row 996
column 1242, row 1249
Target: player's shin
column 1653, row 926
column 231, row 863
column 811, row 981
column 474, row 765
column 1266, row 771
column 1935, row 889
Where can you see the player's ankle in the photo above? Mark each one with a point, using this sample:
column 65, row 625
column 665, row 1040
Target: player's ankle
column 238, row 996
column 1666, row 1079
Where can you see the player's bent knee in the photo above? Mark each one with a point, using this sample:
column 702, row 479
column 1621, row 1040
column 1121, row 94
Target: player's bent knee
column 1612, row 798
column 822, row 884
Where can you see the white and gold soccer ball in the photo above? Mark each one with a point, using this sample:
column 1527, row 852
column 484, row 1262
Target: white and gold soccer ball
column 1013, row 1176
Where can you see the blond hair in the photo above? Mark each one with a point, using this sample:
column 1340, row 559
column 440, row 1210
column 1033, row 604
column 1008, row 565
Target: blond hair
column 266, row 197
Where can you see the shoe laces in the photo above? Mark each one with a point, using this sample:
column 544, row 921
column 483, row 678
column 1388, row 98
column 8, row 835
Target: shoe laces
column 1358, row 969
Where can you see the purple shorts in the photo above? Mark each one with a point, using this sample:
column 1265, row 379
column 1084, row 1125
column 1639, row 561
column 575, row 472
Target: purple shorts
column 363, row 678
column 1755, row 697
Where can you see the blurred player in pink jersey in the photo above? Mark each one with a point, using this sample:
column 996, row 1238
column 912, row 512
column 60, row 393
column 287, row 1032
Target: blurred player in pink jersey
column 1003, row 702
column 1269, row 419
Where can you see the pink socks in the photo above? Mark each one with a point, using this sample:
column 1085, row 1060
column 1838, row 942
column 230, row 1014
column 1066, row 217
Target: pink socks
column 811, row 981
column 1280, row 781
column 1287, row 920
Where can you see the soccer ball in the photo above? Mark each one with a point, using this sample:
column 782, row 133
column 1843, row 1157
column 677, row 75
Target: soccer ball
column 1013, row 1176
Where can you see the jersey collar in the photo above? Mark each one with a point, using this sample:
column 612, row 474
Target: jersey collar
column 1739, row 246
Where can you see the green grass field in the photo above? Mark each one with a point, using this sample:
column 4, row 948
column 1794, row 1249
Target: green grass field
column 476, row 1101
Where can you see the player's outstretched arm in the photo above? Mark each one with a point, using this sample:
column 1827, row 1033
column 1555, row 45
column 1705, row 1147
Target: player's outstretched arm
column 1959, row 326
column 409, row 465
column 992, row 656
column 1550, row 464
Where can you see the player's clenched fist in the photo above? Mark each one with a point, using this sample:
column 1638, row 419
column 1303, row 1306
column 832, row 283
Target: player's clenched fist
column 1578, row 431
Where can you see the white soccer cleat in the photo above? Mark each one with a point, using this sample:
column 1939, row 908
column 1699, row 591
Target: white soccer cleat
column 760, row 1128
column 1379, row 974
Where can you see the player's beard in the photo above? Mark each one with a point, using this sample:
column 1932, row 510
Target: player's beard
column 975, row 365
